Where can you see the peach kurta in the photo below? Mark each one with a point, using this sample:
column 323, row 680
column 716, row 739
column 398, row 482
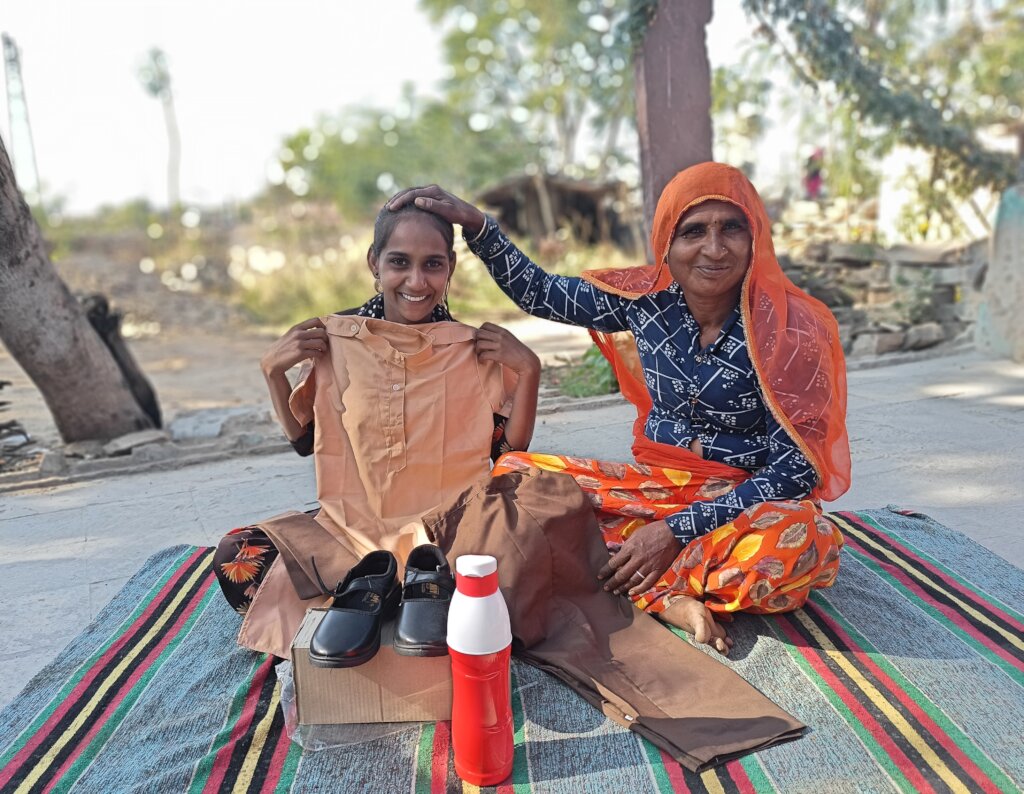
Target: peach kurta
column 403, row 422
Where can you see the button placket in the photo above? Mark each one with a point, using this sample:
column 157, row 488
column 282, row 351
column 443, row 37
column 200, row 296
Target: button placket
column 395, row 396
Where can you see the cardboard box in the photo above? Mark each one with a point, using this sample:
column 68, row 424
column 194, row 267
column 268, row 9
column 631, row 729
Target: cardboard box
column 388, row 688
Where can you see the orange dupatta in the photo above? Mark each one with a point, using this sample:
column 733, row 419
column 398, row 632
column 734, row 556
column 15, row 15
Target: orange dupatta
column 793, row 339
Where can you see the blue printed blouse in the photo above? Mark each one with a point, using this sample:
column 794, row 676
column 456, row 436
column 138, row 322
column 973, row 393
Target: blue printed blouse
column 711, row 393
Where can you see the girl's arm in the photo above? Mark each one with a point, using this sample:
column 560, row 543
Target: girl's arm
column 494, row 343
column 307, row 340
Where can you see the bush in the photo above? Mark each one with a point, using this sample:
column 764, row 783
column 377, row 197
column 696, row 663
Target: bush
column 593, row 376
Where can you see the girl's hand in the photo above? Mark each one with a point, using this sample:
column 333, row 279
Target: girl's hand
column 306, row 340
column 494, row 343
column 441, row 202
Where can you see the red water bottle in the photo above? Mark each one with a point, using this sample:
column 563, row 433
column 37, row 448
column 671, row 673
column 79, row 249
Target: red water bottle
column 480, row 643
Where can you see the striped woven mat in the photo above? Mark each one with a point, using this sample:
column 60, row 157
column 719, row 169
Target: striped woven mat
column 909, row 672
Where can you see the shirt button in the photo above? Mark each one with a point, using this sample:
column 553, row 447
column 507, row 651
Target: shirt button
column 353, row 328
column 396, row 387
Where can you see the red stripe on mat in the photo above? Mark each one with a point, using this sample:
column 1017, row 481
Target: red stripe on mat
column 273, row 776
column 908, row 769
column 83, row 685
column 138, row 670
column 951, row 583
column 919, row 713
column 439, row 759
column 954, row 615
column 223, row 758
column 674, row 772
column 739, row 777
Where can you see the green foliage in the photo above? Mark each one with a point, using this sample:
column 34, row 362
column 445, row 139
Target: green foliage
column 525, row 78
column 915, row 297
column 872, row 64
column 593, row 376
column 297, row 291
column 295, row 279
column 154, row 73
column 641, row 14
column 547, row 68
column 360, row 158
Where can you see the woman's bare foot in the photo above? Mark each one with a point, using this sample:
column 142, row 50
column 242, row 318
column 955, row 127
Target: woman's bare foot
column 693, row 617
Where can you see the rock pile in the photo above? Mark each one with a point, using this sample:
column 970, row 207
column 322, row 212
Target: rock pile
column 886, row 299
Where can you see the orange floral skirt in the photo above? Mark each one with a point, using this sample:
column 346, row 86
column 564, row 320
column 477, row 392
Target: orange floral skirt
column 766, row 560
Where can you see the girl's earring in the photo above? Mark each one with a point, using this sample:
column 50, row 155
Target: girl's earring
column 376, row 284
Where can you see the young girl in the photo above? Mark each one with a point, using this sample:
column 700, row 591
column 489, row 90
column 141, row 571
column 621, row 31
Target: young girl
column 402, row 408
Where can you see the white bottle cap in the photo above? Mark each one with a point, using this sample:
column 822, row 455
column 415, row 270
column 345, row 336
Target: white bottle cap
column 475, row 565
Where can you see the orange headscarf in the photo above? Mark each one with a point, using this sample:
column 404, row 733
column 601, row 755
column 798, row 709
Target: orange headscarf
column 793, row 339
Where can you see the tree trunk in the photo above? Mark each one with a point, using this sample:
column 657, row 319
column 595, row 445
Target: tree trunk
column 173, row 153
column 47, row 333
column 673, row 95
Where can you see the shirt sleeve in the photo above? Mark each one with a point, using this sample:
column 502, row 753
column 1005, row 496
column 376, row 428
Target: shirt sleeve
column 303, row 394
column 564, row 299
column 787, row 475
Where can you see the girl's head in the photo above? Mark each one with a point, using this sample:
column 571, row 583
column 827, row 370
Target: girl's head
column 412, row 259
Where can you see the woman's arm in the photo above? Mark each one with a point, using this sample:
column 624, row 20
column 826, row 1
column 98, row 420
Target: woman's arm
column 787, row 475
column 494, row 343
column 304, row 341
column 651, row 549
column 560, row 298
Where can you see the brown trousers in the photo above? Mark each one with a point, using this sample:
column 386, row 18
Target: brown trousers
column 543, row 532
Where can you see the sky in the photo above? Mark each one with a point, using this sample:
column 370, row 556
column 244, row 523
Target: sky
column 244, row 76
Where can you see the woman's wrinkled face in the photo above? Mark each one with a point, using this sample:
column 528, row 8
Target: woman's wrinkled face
column 413, row 267
column 710, row 252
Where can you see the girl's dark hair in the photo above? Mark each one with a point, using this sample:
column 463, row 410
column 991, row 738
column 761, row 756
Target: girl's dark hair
column 387, row 220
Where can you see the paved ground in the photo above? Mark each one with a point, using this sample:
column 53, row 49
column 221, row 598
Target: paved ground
column 942, row 436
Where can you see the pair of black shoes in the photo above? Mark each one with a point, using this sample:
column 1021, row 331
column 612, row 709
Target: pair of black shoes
column 349, row 634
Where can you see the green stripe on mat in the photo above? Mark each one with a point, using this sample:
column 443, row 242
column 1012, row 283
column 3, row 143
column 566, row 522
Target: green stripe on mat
column 959, row 579
column 912, row 598
column 424, row 759
column 977, row 613
column 290, row 767
column 205, row 765
column 962, row 741
column 112, row 723
column 520, row 757
column 59, row 698
column 758, row 777
column 882, row 758
column 657, row 765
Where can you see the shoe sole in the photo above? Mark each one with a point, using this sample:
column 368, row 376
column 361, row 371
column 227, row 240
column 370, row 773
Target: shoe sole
column 420, row 650
column 344, row 661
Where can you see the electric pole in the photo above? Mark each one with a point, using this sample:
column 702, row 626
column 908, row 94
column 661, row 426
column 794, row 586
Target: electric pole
column 23, row 150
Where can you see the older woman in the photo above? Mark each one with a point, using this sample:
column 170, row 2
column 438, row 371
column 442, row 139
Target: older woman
column 740, row 386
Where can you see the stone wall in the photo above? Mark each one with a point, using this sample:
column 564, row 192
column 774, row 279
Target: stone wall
column 906, row 297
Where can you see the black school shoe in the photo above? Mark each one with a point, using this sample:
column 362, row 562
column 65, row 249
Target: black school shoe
column 422, row 625
column 349, row 634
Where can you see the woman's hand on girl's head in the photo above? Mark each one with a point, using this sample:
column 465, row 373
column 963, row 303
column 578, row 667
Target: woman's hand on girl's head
column 306, row 340
column 494, row 343
column 441, row 202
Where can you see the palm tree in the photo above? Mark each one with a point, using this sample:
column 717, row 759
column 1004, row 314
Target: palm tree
column 156, row 79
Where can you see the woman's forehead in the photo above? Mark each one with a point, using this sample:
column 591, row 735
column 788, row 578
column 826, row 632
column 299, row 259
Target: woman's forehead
column 706, row 210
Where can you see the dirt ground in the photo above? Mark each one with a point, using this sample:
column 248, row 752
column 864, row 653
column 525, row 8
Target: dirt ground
column 198, row 368
column 189, row 370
